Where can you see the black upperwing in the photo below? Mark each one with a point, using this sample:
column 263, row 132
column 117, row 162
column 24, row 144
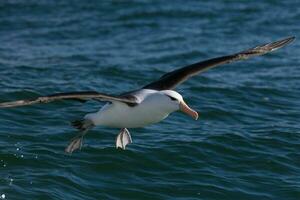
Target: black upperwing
column 80, row 96
column 172, row 79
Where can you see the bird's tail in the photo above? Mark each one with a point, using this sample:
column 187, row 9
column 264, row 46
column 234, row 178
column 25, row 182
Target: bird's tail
column 82, row 125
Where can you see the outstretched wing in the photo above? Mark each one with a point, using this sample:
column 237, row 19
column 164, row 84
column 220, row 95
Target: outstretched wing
column 172, row 79
column 81, row 96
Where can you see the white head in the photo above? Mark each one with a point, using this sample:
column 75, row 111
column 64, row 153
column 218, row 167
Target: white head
column 175, row 102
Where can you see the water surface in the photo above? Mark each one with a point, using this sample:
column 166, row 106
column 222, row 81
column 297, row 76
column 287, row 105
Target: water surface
column 244, row 146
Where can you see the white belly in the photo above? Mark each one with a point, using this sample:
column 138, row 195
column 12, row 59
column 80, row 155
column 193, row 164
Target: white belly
column 153, row 107
column 120, row 115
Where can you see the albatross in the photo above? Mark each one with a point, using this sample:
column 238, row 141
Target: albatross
column 148, row 105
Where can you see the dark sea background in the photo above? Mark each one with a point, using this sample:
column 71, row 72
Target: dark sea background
column 245, row 145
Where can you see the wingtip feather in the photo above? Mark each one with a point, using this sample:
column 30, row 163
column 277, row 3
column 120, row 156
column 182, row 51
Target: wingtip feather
column 281, row 43
column 12, row 104
column 266, row 48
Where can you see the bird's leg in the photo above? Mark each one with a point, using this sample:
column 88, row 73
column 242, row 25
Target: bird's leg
column 123, row 138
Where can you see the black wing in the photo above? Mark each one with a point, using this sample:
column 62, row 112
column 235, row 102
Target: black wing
column 172, row 79
column 80, row 96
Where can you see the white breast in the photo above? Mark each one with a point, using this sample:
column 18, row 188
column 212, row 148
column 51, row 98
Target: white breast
column 152, row 109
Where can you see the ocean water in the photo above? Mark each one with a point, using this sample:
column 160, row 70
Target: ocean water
column 245, row 145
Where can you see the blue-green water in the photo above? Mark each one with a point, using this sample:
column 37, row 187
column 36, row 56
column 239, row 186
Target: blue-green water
column 244, row 146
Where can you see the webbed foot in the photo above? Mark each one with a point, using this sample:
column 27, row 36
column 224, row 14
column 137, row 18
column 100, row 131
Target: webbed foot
column 123, row 139
column 75, row 143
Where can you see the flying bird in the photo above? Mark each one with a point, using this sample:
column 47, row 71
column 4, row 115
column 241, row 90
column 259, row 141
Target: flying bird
column 150, row 104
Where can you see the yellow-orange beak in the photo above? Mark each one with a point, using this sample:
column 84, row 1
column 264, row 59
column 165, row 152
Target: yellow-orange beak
column 187, row 110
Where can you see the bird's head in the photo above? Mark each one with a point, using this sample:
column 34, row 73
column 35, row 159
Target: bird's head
column 176, row 103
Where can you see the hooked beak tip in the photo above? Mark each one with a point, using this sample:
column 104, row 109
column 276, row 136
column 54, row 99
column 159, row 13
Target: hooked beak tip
column 196, row 116
column 187, row 110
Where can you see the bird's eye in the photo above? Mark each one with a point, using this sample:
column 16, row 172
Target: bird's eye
column 172, row 98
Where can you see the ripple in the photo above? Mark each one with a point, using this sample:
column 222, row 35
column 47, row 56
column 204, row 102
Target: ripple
column 245, row 144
